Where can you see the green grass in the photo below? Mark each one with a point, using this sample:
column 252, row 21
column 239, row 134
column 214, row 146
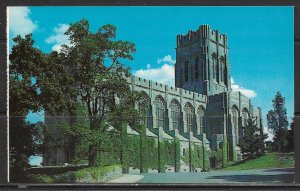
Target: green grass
column 269, row 160
column 95, row 172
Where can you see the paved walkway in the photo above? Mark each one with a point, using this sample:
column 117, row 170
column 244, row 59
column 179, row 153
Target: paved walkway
column 257, row 176
column 127, row 178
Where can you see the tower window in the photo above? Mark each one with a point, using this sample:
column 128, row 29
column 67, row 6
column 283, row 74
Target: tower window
column 186, row 71
column 196, row 68
column 214, row 58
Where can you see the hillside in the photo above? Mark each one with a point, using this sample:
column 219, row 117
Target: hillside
column 269, row 160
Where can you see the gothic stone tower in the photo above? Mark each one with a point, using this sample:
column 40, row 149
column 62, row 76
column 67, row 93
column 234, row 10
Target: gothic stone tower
column 202, row 62
column 202, row 66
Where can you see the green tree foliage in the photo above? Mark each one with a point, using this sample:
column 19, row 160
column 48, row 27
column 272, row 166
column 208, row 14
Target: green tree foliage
column 36, row 84
column 252, row 144
column 94, row 60
column 277, row 121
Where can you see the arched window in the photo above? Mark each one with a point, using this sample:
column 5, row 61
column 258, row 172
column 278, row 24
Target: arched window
column 214, row 58
column 160, row 112
column 186, row 71
column 145, row 108
column 197, row 67
column 201, row 120
column 189, row 117
column 245, row 117
column 175, row 114
column 235, row 116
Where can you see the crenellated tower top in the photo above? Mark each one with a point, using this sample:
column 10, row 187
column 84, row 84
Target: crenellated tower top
column 202, row 63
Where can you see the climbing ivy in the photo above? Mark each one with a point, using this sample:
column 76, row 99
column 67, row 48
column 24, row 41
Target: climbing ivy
column 143, row 150
column 225, row 151
column 177, row 154
column 152, row 153
column 206, row 155
column 161, row 157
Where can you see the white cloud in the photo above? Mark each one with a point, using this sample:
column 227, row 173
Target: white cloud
column 167, row 59
column 164, row 74
column 247, row 92
column 270, row 134
column 20, row 22
column 59, row 38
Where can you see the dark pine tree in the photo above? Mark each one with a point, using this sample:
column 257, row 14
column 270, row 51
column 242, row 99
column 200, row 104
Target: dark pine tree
column 277, row 122
column 253, row 142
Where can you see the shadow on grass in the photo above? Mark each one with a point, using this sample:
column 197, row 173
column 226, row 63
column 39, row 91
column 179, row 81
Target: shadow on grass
column 241, row 162
column 280, row 178
column 281, row 170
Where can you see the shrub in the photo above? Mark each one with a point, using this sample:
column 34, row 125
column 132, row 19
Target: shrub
column 41, row 178
column 88, row 175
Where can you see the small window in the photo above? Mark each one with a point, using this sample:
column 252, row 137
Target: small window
column 183, row 152
column 186, row 71
column 196, row 68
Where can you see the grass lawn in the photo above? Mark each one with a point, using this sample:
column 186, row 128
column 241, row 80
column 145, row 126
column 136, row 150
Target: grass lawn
column 269, row 160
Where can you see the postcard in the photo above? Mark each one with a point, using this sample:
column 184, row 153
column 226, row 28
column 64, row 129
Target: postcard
column 167, row 95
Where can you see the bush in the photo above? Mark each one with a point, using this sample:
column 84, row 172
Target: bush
column 41, row 178
column 90, row 175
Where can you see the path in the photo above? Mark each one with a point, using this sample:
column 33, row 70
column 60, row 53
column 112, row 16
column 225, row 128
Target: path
column 257, row 176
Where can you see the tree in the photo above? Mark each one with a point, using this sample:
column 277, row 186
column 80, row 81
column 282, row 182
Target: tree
column 252, row 144
column 36, row 83
column 290, row 136
column 99, row 77
column 23, row 98
column 277, row 121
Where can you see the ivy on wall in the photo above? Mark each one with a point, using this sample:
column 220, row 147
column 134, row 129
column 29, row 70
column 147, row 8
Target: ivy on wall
column 177, row 154
column 144, row 153
column 161, row 157
column 152, row 153
column 206, row 156
column 225, row 151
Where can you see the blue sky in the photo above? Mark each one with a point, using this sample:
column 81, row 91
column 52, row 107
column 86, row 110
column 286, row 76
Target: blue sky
column 260, row 41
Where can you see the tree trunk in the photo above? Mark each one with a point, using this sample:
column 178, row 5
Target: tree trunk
column 279, row 147
column 92, row 147
column 92, row 155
